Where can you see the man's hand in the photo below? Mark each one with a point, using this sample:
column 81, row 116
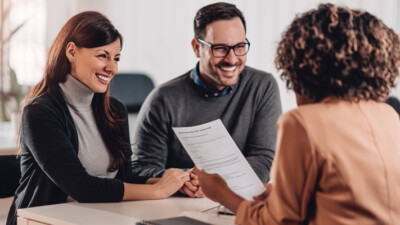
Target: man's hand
column 263, row 196
column 191, row 188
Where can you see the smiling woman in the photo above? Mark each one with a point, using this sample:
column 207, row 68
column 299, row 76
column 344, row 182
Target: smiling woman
column 74, row 136
column 94, row 66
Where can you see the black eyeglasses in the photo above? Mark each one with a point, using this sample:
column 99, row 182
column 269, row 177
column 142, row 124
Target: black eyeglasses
column 221, row 51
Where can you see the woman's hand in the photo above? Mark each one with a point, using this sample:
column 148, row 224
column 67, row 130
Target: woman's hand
column 216, row 189
column 263, row 196
column 191, row 188
column 212, row 185
column 171, row 182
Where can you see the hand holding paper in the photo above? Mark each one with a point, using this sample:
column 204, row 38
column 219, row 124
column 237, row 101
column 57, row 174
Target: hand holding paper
column 212, row 148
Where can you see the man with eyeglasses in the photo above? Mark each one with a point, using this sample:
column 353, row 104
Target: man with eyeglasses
column 219, row 87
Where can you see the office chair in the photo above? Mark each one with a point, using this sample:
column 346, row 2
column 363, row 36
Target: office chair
column 132, row 89
column 10, row 174
column 394, row 102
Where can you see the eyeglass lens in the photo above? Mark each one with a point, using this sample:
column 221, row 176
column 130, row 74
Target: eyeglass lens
column 222, row 51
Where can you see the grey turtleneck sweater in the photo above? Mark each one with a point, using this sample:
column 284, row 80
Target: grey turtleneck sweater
column 92, row 151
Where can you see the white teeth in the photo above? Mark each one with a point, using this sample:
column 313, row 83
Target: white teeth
column 228, row 68
column 103, row 77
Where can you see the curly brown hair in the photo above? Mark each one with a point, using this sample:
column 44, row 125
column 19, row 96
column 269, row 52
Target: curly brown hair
column 336, row 51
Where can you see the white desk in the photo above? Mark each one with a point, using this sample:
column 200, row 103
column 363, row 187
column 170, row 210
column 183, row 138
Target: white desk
column 128, row 212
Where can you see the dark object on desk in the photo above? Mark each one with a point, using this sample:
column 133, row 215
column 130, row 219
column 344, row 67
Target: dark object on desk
column 226, row 213
column 182, row 220
column 132, row 89
column 10, row 174
column 222, row 210
column 394, row 102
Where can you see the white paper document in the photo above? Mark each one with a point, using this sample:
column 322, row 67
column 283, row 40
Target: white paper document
column 211, row 148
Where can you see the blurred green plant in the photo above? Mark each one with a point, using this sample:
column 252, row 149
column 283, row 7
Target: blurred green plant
column 14, row 94
column 14, row 90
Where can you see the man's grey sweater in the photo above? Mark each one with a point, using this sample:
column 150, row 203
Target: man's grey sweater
column 249, row 113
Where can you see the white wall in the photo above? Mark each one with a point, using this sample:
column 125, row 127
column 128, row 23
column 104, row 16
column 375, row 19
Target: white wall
column 157, row 33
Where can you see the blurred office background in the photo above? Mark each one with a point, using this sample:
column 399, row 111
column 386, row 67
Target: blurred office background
column 157, row 33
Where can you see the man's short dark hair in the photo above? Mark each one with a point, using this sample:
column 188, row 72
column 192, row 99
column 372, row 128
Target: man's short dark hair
column 214, row 12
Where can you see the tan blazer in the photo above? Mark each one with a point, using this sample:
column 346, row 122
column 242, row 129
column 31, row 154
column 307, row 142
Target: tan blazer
column 337, row 162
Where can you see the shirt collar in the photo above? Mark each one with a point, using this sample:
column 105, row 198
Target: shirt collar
column 208, row 92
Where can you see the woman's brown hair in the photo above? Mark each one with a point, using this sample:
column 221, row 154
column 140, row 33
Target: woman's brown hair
column 88, row 30
column 336, row 51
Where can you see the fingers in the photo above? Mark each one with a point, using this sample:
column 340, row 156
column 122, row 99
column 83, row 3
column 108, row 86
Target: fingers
column 185, row 178
column 265, row 194
column 199, row 173
column 172, row 181
column 195, row 170
column 194, row 179
column 182, row 191
column 175, row 178
column 193, row 194
column 178, row 173
column 268, row 186
column 188, row 192
column 190, row 186
column 199, row 193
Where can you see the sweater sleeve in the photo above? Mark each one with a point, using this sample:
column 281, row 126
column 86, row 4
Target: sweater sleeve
column 45, row 135
column 260, row 146
column 150, row 142
column 294, row 177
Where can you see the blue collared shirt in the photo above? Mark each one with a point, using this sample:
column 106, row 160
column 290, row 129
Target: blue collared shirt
column 208, row 92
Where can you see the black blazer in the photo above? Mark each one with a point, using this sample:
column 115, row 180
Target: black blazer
column 50, row 167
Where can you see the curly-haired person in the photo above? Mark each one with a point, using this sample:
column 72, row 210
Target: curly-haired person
column 338, row 152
